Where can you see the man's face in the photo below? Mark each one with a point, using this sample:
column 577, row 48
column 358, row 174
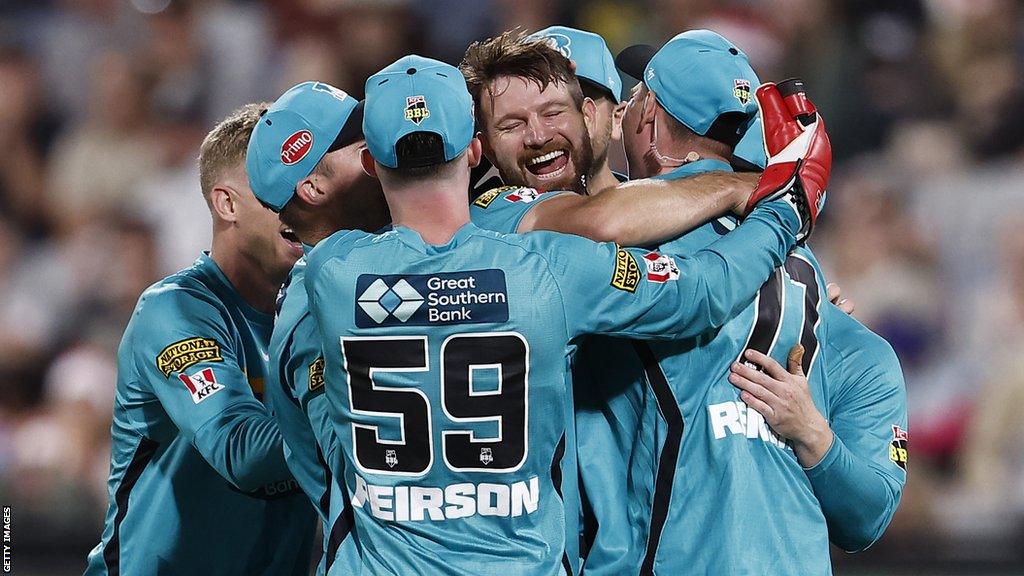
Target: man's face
column 264, row 239
column 636, row 133
column 535, row 137
column 356, row 198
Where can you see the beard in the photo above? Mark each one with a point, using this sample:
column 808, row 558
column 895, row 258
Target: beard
column 581, row 156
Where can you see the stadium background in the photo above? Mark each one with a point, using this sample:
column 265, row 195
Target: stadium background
column 103, row 104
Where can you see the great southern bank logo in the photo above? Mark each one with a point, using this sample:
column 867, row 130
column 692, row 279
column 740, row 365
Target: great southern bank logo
column 468, row 297
column 380, row 300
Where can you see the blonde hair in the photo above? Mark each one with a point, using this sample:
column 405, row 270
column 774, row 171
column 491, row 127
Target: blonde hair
column 224, row 147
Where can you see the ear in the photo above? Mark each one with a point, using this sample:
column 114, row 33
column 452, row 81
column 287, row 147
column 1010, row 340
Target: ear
column 650, row 107
column 224, row 201
column 307, row 191
column 369, row 164
column 617, row 113
column 474, row 152
column 589, row 114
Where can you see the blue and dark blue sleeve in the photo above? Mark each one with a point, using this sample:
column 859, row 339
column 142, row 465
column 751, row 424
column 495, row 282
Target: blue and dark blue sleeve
column 860, row 479
column 643, row 294
column 186, row 354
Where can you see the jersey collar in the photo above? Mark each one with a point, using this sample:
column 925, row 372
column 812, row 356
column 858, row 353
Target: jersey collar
column 412, row 239
column 697, row 167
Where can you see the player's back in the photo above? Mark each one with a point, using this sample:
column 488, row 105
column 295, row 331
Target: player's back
column 446, row 371
column 164, row 496
column 713, row 490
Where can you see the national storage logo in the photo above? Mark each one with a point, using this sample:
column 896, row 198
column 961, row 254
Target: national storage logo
column 469, row 297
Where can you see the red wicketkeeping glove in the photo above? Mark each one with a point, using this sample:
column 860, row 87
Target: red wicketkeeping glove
column 798, row 150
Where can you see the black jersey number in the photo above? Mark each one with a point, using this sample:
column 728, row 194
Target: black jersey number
column 771, row 307
column 507, row 354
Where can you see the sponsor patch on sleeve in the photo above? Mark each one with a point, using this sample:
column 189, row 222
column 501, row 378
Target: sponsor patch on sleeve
column 627, row 272
column 202, row 384
column 661, row 267
column 898, row 447
column 316, row 374
column 524, row 195
column 186, row 353
column 468, row 297
column 484, row 200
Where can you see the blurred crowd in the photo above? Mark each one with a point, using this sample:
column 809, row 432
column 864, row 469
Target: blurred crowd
column 103, row 104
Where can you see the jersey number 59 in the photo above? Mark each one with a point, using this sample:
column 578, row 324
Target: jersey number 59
column 462, row 450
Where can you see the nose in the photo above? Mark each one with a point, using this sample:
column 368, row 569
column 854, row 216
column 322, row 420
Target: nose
column 538, row 134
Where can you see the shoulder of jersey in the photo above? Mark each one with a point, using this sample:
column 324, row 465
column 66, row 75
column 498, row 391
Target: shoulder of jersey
column 511, row 194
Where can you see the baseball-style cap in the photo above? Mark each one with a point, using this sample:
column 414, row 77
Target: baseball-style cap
column 305, row 123
column 697, row 77
column 594, row 62
column 749, row 153
column 417, row 94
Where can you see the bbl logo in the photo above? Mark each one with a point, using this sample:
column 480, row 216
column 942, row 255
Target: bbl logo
column 741, row 90
column 390, row 458
column 486, row 457
column 416, row 109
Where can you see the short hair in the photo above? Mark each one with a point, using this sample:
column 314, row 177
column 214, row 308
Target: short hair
column 420, row 145
column 224, row 147
column 517, row 54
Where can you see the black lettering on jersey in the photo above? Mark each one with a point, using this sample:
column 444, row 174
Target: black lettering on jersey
column 316, row 374
column 186, row 353
column 898, row 447
column 484, row 200
column 627, row 272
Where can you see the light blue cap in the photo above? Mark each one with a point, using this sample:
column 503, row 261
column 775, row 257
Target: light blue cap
column 417, row 94
column 697, row 76
column 305, row 123
column 594, row 62
column 751, row 146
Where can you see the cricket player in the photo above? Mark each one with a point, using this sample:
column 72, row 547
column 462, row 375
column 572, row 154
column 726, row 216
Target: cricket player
column 198, row 481
column 318, row 191
column 766, row 492
column 447, row 346
column 603, row 467
column 528, row 107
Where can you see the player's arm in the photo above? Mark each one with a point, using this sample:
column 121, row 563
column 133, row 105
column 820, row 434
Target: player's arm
column 643, row 212
column 635, row 293
column 306, row 370
column 860, row 480
column 854, row 461
column 186, row 354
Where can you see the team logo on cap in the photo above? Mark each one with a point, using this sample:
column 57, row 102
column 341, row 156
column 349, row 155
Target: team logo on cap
column 741, row 90
column 561, row 42
column 416, row 109
column 296, row 147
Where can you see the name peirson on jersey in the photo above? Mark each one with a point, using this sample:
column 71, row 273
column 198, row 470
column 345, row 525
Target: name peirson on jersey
column 467, row 297
column 437, row 503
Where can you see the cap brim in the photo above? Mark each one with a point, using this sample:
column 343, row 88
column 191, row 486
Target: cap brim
column 351, row 131
column 634, row 60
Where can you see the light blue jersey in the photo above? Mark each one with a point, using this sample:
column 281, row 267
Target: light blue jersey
column 295, row 396
column 447, row 376
column 712, row 489
column 198, row 482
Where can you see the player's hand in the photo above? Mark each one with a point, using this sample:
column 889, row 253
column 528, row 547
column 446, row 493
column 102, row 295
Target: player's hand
column 798, row 150
column 784, row 400
column 835, row 296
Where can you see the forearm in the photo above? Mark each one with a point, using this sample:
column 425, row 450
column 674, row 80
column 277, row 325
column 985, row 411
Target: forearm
column 857, row 500
column 643, row 212
column 245, row 446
